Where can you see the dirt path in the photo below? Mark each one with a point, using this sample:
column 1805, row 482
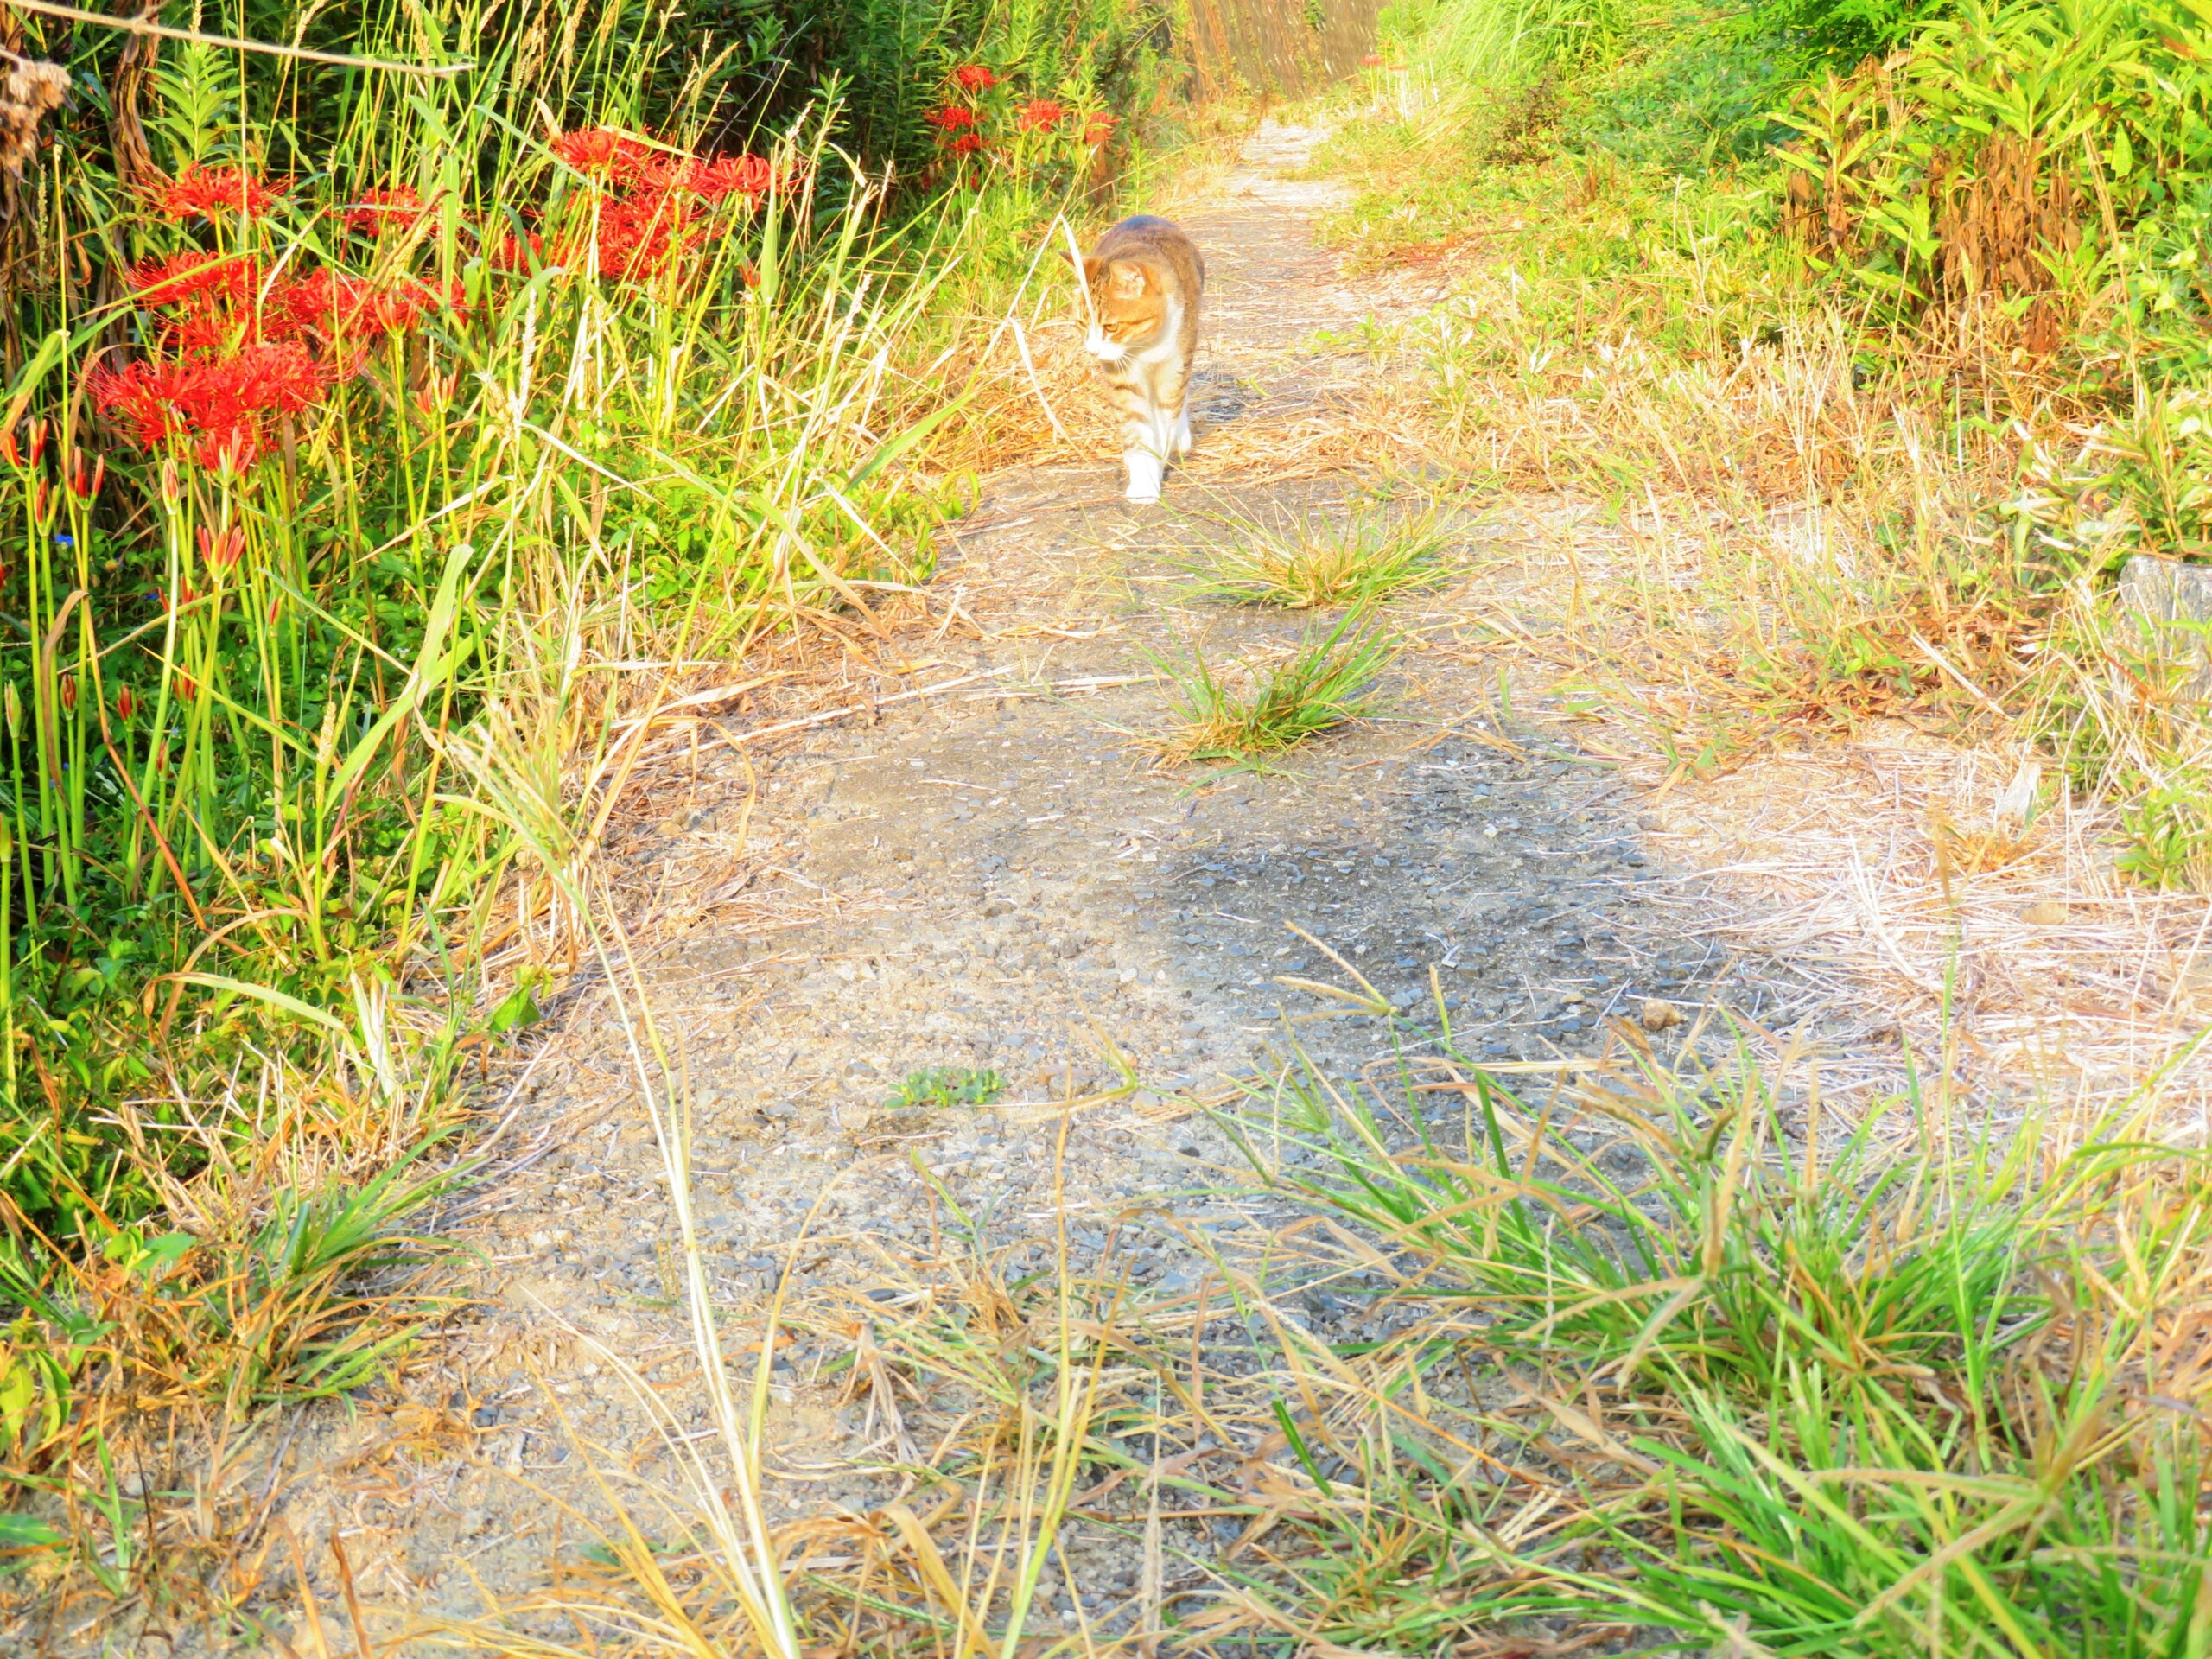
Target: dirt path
column 996, row 878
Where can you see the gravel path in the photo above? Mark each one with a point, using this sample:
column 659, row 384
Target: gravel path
column 998, row 878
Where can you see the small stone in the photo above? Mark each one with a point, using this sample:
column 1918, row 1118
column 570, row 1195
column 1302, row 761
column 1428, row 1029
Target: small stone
column 2045, row 912
column 1659, row 1014
column 2172, row 600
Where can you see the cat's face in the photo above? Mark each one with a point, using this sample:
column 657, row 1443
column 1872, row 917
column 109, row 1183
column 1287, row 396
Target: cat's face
column 1128, row 305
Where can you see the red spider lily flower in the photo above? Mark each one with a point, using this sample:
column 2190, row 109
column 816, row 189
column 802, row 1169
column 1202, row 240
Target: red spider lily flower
column 453, row 302
column 183, row 276
column 85, row 486
column 710, row 179
column 602, row 150
column 281, row 376
column 951, row 119
column 640, row 235
column 15, row 454
column 205, row 332
column 213, row 192
column 229, row 455
column 968, row 143
column 145, row 396
column 336, row 304
column 747, row 275
column 215, row 401
column 437, row 391
column 223, row 551
column 43, row 500
column 975, row 78
column 1099, row 128
column 374, row 209
column 186, row 687
column 1042, row 114
column 750, row 176
column 69, row 693
column 1372, row 61
column 126, row 703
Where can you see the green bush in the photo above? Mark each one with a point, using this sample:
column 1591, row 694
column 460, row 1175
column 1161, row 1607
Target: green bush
column 2005, row 153
column 1843, row 31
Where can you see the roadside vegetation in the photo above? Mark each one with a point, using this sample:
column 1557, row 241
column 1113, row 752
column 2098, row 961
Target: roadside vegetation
column 1879, row 331
column 1926, row 329
column 392, row 451
column 399, row 427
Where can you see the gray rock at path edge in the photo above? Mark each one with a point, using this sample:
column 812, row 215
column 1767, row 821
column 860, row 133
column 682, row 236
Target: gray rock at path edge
column 2163, row 591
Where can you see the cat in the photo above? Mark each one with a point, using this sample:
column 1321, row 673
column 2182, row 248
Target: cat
column 1144, row 280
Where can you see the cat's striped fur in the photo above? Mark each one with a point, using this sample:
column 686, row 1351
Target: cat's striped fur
column 1145, row 279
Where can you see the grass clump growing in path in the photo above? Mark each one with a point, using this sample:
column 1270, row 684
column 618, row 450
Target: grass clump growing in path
column 1755, row 1378
column 1315, row 564
column 945, row 1086
column 1326, row 682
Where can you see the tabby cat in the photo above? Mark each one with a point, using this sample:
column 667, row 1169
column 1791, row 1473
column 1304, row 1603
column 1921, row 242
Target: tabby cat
column 1144, row 279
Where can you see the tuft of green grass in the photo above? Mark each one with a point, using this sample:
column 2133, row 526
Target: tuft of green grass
column 1318, row 562
column 1874, row 1388
column 1328, row 681
column 945, row 1086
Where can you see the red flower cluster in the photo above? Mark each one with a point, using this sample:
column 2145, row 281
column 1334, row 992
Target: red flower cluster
column 249, row 346
column 655, row 205
column 602, row 149
column 187, row 276
column 213, row 192
column 337, row 306
column 638, row 234
column 520, row 252
column 977, row 109
column 374, row 209
column 750, row 176
column 15, row 454
column 218, row 403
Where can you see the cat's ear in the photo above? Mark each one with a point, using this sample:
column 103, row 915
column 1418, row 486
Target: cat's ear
column 1129, row 278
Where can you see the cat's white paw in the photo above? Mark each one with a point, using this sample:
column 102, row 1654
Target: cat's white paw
column 1144, row 479
column 1183, row 440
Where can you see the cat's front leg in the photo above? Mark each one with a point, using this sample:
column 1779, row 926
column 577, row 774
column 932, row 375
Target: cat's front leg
column 1181, row 441
column 1146, row 468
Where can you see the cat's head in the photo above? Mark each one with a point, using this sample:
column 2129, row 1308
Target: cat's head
column 1129, row 306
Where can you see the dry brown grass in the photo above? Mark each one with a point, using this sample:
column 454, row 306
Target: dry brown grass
column 1897, row 738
